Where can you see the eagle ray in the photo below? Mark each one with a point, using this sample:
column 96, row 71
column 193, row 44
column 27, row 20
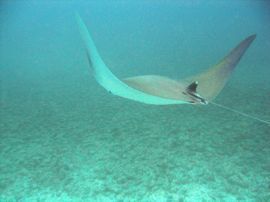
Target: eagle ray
column 159, row 90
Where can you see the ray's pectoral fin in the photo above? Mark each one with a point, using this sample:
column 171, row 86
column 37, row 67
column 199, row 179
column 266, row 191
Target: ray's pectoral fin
column 110, row 82
column 211, row 82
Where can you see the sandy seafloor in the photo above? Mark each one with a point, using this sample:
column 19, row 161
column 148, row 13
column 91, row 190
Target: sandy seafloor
column 63, row 138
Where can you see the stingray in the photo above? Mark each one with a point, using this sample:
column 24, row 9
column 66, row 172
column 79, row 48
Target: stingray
column 159, row 90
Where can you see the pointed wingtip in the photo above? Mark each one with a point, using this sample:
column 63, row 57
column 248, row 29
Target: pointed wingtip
column 251, row 38
column 78, row 17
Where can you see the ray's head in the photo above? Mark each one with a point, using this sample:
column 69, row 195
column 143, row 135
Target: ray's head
column 193, row 95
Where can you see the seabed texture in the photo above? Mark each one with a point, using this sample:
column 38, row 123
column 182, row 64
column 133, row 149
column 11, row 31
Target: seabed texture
column 118, row 150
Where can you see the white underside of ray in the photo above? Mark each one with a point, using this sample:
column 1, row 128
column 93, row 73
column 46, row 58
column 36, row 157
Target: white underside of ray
column 110, row 82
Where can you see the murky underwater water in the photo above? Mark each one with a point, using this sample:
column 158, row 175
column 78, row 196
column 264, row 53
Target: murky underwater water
column 64, row 138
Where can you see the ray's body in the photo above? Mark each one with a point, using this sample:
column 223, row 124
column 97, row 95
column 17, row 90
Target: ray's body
column 159, row 90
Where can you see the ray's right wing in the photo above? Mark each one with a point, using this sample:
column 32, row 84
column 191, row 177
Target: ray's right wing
column 212, row 81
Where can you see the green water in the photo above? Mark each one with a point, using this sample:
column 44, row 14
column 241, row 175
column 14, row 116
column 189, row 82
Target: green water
column 64, row 138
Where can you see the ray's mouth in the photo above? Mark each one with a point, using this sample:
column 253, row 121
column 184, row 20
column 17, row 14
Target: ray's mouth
column 205, row 102
column 195, row 97
column 198, row 101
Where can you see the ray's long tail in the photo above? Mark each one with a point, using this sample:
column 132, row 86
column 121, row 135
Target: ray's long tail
column 241, row 113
